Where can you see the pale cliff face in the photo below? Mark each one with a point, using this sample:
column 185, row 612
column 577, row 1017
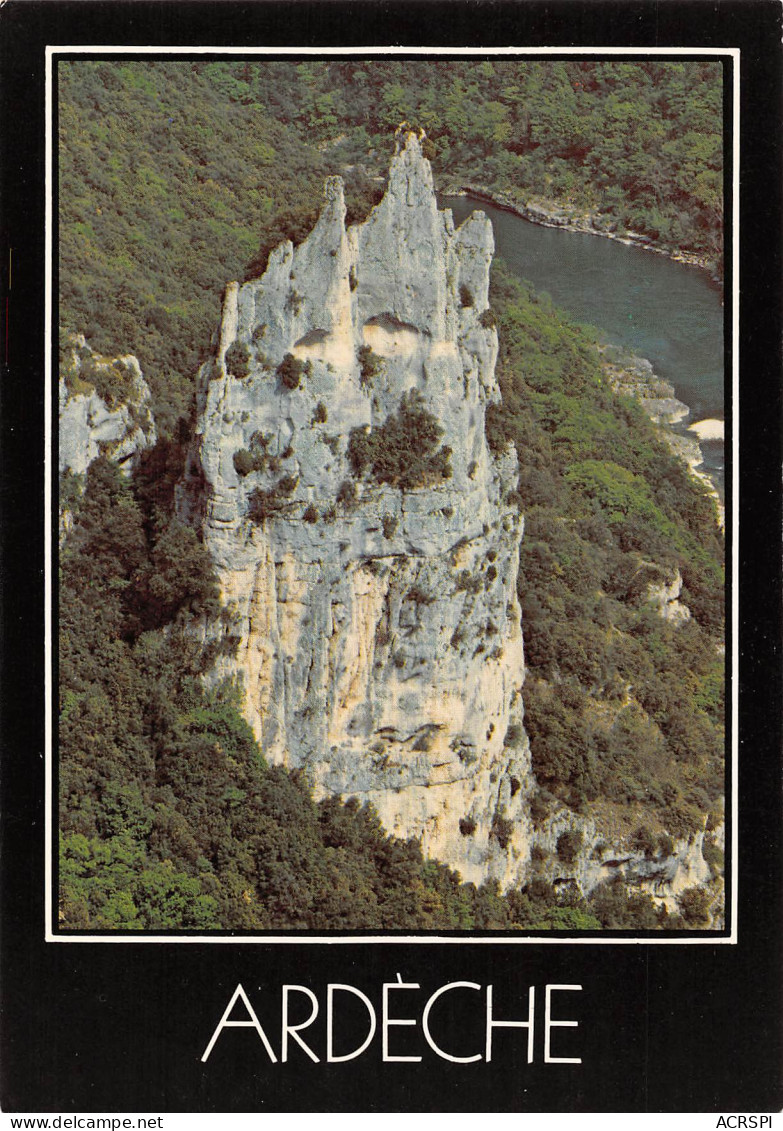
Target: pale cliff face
column 88, row 425
column 380, row 645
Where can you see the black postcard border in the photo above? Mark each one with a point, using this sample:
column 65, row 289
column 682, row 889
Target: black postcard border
column 88, row 1028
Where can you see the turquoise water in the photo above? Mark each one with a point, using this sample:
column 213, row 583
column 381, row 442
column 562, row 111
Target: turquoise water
column 665, row 311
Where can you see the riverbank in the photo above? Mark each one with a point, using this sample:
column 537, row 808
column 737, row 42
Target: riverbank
column 634, row 376
column 550, row 214
column 708, row 429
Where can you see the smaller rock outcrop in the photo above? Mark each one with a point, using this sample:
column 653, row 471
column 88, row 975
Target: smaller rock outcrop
column 635, row 377
column 104, row 408
column 664, row 596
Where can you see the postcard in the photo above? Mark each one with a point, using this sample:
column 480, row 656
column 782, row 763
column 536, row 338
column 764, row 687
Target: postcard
column 391, row 636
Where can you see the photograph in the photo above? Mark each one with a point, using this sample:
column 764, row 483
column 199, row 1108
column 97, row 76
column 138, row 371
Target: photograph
column 391, row 493
column 390, row 510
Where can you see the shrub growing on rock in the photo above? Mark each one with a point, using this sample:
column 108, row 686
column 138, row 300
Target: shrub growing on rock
column 244, row 462
column 467, row 582
column 291, row 369
column 465, row 295
column 643, row 841
column 569, row 845
column 419, row 596
column 346, row 493
column 405, row 451
column 694, row 904
column 370, row 365
column 262, row 505
column 502, row 829
column 287, row 485
column 238, row 360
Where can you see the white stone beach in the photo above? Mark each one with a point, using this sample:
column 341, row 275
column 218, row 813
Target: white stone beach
column 708, row 429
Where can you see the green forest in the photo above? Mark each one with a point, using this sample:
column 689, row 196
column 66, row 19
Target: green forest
column 176, row 177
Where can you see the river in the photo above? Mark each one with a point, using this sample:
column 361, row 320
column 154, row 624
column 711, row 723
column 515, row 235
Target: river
column 668, row 312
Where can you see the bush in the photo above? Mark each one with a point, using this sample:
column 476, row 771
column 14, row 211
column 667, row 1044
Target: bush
column 404, row 452
column 514, row 736
column 713, row 855
column 111, row 380
column 310, row 514
column 694, row 904
column 419, row 596
column 346, row 493
column 262, row 505
column 244, row 462
column 320, row 416
column 498, row 427
column 465, row 295
column 502, row 828
column 643, row 841
column 287, row 485
column 569, row 845
column 370, row 365
column 238, row 360
column 467, row 826
column 487, row 319
column 389, row 524
column 71, row 488
column 429, row 149
column 467, row 582
column 290, row 371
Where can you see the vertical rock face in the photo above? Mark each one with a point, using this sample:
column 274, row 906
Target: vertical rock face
column 379, row 630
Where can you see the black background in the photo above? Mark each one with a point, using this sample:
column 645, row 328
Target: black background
column 121, row 1027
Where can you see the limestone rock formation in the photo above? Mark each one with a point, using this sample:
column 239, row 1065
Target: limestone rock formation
column 118, row 423
column 361, row 526
column 664, row 596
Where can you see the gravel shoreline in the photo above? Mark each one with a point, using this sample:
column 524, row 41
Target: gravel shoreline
column 551, row 215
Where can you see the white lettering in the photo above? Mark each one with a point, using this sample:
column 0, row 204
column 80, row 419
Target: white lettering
column 425, row 1023
column 492, row 1024
column 549, row 1024
column 387, row 1021
column 330, row 989
column 253, row 1023
column 294, row 1029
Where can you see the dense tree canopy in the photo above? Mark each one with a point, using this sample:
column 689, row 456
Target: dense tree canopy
column 176, row 176
column 624, row 710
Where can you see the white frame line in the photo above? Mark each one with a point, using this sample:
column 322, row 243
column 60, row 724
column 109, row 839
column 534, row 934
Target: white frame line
column 123, row 49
